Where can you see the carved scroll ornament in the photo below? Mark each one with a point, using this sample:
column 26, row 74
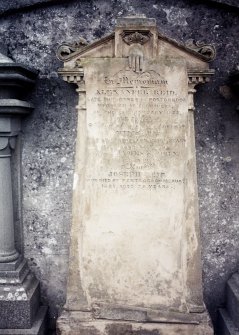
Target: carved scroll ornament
column 206, row 50
column 67, row 49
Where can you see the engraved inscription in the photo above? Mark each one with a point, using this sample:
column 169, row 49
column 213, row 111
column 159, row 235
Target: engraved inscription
column 135, row 181
column 146, row 129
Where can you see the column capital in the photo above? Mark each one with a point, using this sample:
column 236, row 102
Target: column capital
column 14, row 79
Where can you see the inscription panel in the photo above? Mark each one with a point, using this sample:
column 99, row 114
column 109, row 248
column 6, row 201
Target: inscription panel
column 136, row 182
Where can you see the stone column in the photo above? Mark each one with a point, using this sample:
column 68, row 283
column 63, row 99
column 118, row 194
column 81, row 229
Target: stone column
column 8, row 252
column 19, row 289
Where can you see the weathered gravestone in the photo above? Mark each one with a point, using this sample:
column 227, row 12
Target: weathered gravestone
column 135, row 263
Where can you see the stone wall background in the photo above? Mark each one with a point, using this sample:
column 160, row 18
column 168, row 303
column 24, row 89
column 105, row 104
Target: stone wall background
column 32, row 30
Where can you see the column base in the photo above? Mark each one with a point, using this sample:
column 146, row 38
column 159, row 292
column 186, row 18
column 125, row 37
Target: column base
column 9, row 258
column 19, row 297
column 73, row 323
column 38, row 327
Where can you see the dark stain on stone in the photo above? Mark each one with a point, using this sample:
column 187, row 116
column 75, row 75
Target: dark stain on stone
column 86, row 331
column 127, row 329
column 119, row 329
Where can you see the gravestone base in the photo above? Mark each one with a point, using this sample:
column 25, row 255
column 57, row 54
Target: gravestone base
column 20, row 312
column 38, row 327
column 71, row 323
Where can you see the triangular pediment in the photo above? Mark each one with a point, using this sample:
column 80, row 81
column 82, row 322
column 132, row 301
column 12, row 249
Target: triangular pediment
column 70, row 51
column 142, row 32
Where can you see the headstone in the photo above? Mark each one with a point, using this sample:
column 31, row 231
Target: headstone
column 135, row 264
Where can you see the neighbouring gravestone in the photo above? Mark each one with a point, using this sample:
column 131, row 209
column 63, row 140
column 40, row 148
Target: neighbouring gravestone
column 20, row 310
column 135, row 264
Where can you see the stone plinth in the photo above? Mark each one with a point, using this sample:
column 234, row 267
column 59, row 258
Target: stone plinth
column 135, row 262
column 19, row 289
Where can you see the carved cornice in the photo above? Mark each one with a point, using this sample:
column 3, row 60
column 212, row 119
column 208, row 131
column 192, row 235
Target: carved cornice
column 140, row 37
column 206, row 50
column 66, row 49
column 199, row 77
column 73, row 76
